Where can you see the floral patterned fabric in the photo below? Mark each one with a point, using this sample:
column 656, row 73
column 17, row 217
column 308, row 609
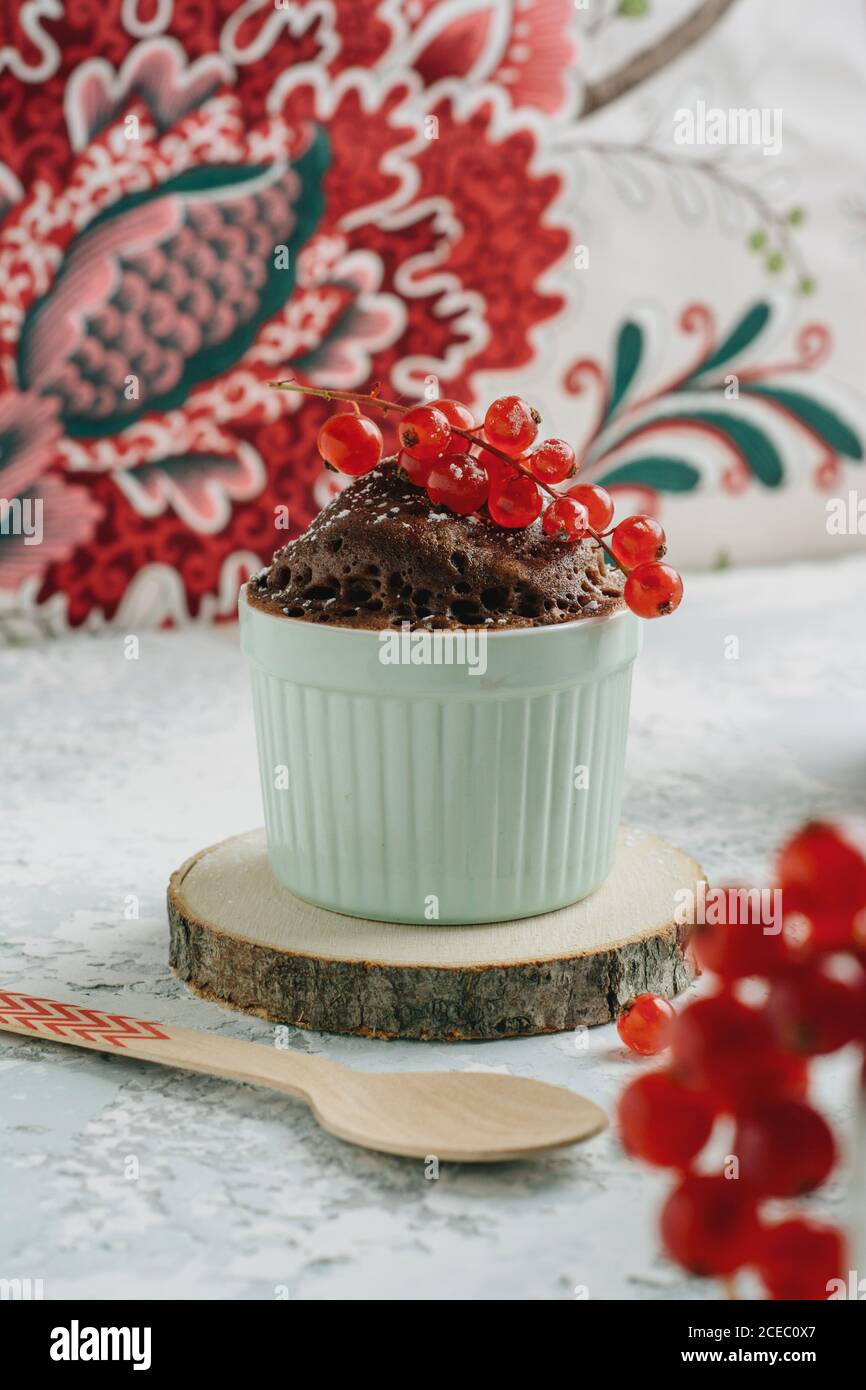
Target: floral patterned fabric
column 198, row 198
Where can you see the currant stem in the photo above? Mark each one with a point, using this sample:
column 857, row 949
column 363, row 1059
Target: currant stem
column 358, row 398
column 329, row 394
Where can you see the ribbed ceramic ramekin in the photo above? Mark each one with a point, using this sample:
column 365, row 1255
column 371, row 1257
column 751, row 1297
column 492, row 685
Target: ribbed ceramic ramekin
column 434, row 792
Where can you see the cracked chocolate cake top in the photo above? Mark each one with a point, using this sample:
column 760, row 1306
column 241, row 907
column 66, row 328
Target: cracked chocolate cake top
column 381, row 554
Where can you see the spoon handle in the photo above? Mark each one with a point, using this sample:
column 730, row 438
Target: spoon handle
column 80, row 1026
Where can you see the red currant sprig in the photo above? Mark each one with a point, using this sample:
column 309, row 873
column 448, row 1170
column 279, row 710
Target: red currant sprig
column 502, row 469
column 749, row 1063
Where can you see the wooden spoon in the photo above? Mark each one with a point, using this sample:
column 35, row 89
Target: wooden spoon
column 468, row 1117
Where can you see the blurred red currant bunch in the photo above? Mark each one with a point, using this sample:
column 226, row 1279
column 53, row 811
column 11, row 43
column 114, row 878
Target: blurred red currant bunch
column 749, row 1063
column 499, row 466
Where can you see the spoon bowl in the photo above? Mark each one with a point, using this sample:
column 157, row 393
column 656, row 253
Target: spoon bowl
column 465, row 1117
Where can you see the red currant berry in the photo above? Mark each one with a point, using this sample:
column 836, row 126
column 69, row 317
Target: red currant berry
column 597, row 501
column 709, row 1225
column 551, row 461
column 511, row 424
column 800, row 1259
column 637, row 541
column 822, row 874
column 653, row 590
column 662, row 1122
column 458, row 482
column 812, row 1011
column 350, row 443
column 645, row 1024
column 457, row 414
column 775, row 1074
column 498, row 471
column 514, row 503
column 785, row 1148
column 424, row 432
column 565, row 520
column 417, row 471
column 726, row 1049
column 737, row 945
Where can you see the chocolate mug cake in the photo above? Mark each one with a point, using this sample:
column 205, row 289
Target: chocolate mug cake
column 484, row 787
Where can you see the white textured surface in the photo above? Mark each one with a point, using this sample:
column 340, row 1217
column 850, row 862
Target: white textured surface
column 116, row 770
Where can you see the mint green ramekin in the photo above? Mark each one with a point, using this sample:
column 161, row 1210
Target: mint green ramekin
column 426, row 793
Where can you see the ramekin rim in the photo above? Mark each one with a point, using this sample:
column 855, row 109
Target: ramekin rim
column 376, row 632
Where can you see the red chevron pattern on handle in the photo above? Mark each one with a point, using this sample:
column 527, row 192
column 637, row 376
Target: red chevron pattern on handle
column 48, row 1017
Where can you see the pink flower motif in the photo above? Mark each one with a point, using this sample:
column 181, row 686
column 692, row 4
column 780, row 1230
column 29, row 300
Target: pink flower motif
column 525, row 48
column 195, row 253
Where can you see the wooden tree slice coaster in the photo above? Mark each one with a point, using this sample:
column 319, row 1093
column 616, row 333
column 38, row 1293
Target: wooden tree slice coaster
column 240, row 938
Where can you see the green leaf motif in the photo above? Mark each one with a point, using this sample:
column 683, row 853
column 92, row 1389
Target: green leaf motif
column 750, row 325
column 834, row 432
column 629, row 348
column 760, row 454
column 670, row 474
column 655, row 471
